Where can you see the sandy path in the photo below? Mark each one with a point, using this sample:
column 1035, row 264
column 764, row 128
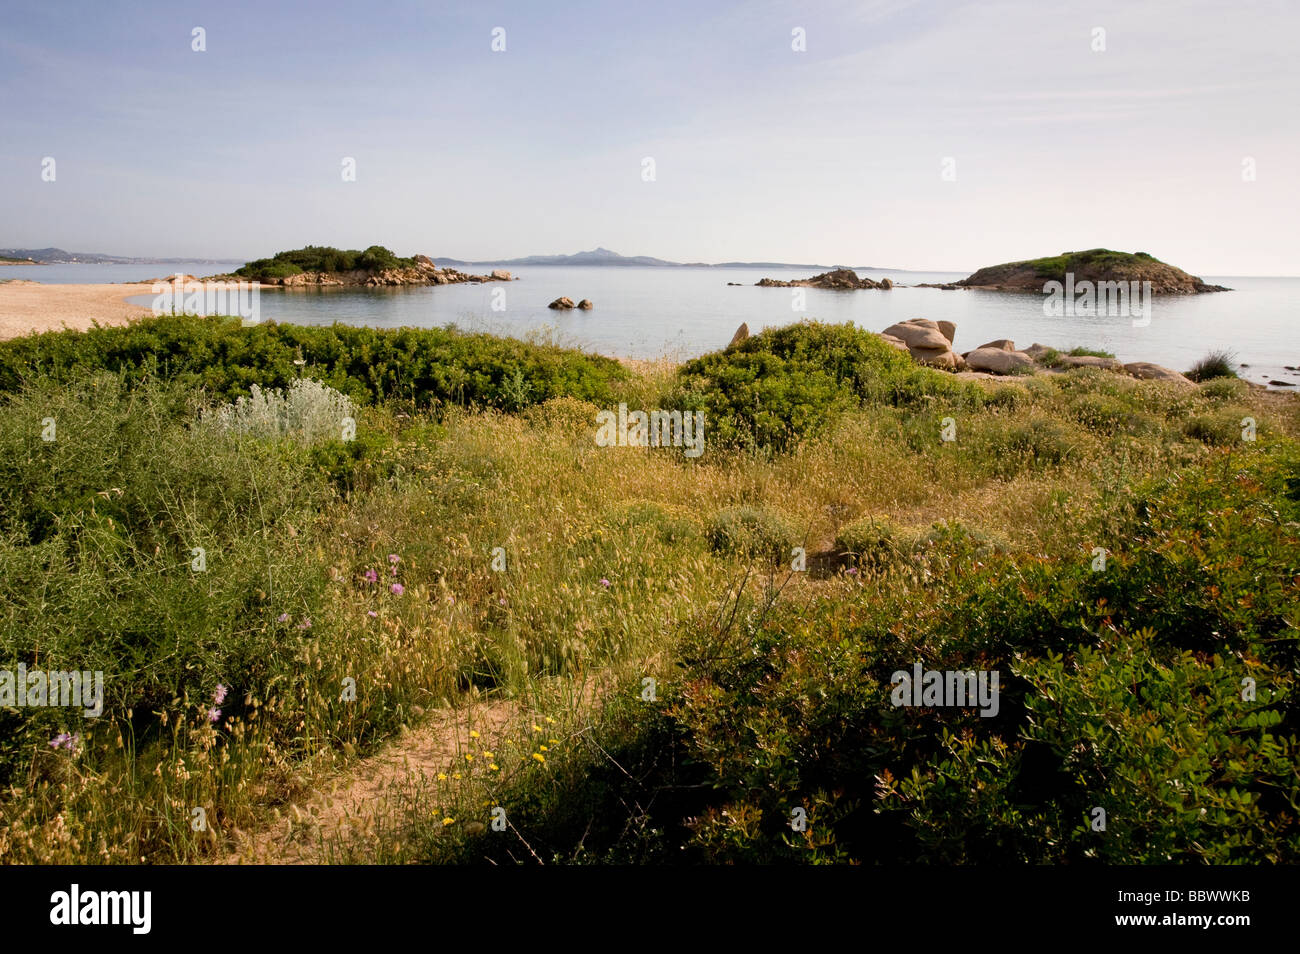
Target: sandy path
column 27, row 307
column 347, row 807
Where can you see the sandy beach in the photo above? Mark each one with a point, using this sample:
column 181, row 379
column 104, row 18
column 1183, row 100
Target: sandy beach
column 27, row 307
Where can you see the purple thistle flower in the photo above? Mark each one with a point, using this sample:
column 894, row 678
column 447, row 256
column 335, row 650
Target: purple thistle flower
column 214, row 715
column 394, row 559
column 305, row 624
column 397, row 589
column 371, row 576
column 372, row 613
column 604, row 582
column 220, row 695
column 852, row 571
column 282, row 618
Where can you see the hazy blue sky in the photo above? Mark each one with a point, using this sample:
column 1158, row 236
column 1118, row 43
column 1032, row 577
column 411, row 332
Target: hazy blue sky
column 831, row 155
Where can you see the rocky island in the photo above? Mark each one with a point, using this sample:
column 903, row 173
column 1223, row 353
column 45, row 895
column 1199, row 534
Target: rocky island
column 1094, row 265
column 839, row 279
column 376, row 266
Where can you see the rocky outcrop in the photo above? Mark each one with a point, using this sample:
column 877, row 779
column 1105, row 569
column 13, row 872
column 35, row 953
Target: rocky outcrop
column 885, row 283
column 999, row 361
column 840, row 279
column 1095, row 265
column 741, row 334
column 926, row 342
column 1147, row 371
column 561, row 304
column 586, row 304
column 423, row 272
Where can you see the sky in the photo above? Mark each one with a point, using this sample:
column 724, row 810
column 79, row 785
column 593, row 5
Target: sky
column 923, row 135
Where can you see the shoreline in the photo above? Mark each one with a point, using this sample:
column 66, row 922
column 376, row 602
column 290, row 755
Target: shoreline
column 32, row 307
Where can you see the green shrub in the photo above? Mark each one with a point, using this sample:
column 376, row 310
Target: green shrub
column 1010, row 446
column 423, row 366
column 1216, row 364
column 785, row 384
column 1223, row 389
column 1109, row 416
column 870, row 543
column 751, row 532
column 670, row 524
column 1221, row 428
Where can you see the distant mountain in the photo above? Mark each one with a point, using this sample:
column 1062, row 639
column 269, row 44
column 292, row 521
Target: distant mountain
column 57, row 256
column 597, row 256
column 603, row 256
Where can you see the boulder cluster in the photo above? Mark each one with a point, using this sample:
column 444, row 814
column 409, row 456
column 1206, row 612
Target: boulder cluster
column 930, row 343
column 565, row 303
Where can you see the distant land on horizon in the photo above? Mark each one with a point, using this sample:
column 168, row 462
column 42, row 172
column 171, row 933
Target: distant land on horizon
column 603, row 256
column 57, row 256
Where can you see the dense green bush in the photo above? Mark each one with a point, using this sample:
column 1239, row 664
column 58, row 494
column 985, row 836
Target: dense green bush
column 423, row 366
column 98, row 530
column 784, row 384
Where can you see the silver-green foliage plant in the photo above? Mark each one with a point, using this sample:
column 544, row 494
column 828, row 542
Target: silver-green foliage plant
column 308, row 411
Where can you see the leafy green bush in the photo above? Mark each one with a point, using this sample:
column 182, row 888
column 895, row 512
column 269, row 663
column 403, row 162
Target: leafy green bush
column 423, row 366
column 98, row 530
column 784, row 384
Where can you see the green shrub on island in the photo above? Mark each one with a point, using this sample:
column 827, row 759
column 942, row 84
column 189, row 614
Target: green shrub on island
column 1096, row 258
column 319, row 258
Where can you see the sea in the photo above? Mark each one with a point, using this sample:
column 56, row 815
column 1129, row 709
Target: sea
column 683, row 312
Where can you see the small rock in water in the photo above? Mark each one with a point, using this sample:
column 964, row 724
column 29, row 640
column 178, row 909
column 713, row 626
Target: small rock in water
column 562, row 303
column 586, row 304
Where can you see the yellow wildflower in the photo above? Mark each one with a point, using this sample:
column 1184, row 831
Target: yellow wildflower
column 539, row 757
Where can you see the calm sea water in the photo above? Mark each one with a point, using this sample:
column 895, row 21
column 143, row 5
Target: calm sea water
column 684, row 312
